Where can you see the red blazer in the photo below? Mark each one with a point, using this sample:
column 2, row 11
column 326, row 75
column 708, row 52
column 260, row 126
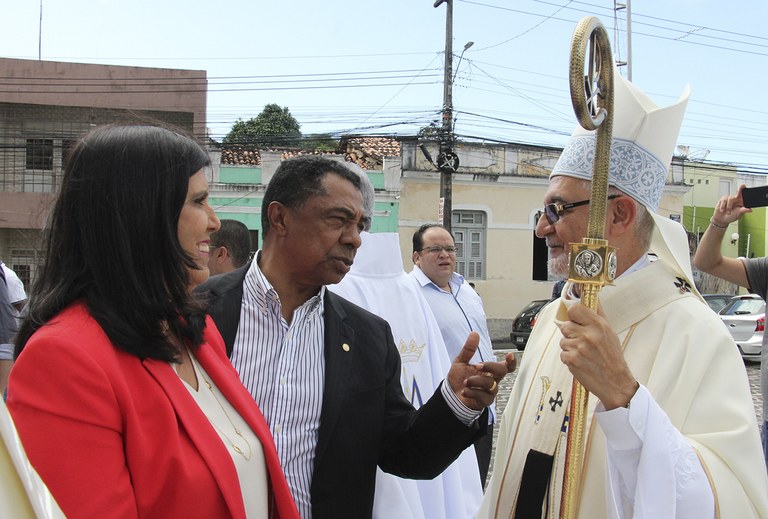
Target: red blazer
column 114, row 436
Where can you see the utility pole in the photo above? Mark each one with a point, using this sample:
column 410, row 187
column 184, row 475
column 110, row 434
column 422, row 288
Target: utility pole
column 447, row 160
column 628, row 62
column 40, row 35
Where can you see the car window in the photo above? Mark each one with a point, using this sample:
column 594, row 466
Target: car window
column 532, row 304
column 531, row 309
column 717, row 303
column 744, row 307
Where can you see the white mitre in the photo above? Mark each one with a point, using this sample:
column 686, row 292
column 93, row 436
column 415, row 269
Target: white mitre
column 643, row 140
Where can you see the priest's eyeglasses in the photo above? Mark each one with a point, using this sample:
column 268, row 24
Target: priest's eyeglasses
column 553, row 211
column 437, row 249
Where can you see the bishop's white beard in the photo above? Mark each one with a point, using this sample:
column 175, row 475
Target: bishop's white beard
column 558, row 267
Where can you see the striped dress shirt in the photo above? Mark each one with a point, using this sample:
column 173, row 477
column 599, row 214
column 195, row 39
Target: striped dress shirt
column 283, row 366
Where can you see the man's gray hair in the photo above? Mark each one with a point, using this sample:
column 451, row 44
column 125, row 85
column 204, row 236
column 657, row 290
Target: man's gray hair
column 643, row 223
column 366, row 189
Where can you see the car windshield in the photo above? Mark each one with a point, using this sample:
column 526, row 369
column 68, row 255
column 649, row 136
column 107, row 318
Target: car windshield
column 744, row 307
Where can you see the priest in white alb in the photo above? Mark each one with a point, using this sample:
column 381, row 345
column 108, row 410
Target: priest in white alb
column 378, row 283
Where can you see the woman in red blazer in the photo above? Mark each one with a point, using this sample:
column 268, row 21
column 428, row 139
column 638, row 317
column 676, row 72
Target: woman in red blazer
column 122, row 394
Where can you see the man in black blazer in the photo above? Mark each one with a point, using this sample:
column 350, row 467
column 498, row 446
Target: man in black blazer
column 312, row 214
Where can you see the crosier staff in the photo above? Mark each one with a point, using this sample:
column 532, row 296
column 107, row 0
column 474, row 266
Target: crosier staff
column 592, row 262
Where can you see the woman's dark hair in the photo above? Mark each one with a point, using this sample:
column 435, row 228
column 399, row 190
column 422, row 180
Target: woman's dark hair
column 112, row 240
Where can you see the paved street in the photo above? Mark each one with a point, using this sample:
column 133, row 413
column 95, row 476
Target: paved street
column 753, row 373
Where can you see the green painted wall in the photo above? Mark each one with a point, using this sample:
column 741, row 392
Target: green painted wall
column 252, row 221
column 753, row 224
column 703, row 214
column 376, row 178
column 388, row 223
column 239, row 175
column 221, row 203
column 251, row 217
column 247, row 209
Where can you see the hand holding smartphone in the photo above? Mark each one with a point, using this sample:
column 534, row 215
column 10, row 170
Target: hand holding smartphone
column 755, row 196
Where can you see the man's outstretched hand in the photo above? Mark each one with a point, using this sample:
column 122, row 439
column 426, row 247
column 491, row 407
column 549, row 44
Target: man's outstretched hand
column 476, row 385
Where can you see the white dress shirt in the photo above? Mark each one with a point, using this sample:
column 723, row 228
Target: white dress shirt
column 458, row 312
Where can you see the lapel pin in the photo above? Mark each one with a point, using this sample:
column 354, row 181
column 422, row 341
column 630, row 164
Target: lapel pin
column 345, row 347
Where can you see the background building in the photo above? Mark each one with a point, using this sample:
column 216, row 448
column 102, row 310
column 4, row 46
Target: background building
column 45, row 106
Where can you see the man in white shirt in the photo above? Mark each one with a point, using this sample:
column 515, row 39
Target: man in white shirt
column 670, row 426
column 457, row 308
column 16, row 294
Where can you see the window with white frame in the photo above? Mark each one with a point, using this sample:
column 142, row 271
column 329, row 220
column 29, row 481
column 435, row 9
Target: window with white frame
column 469, row 233
column 724, row 188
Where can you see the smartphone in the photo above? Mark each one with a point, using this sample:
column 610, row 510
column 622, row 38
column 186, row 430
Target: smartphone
column 755, row 196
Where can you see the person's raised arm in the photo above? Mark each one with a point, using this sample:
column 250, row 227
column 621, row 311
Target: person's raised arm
column 708, row 257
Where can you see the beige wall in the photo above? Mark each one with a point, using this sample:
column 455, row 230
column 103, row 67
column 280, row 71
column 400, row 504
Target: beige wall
column 509, row 204
column 24, row 210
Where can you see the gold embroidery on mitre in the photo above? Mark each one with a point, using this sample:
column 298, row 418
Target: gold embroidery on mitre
column 410, row 352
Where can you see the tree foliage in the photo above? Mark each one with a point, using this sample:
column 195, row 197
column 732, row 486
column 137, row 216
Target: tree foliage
column 319, row 142
column 430, row 132
column 274, row 126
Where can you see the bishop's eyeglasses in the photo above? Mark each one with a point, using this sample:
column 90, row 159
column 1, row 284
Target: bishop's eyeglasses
column 553, row 211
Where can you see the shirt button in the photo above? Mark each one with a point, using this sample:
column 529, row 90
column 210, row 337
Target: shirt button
column 282, row 381
column 278, row 429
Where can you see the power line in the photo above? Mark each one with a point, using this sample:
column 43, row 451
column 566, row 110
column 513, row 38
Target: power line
column 184, row 79
column 636, row 33
column 398, row 92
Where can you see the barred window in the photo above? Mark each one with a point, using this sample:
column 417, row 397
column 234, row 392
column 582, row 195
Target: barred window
column 40, row 154
column 23, row 263
column 469, row 233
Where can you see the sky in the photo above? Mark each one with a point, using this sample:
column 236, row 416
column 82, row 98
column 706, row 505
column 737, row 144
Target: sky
column 377, row 67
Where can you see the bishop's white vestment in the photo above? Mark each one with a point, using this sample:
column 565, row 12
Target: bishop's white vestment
column 23, row 495
column 694, row 393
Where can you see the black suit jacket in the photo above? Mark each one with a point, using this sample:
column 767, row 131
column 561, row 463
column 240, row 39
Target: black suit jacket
column 365, row 419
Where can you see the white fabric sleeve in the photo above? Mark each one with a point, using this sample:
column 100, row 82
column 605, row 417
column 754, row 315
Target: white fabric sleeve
column 465, row 414
column 653, row 471
column 6, row 351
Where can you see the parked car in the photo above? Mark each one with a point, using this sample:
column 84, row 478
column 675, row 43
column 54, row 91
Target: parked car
column 717, row 301
column 523, row 323
column 744, row 316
